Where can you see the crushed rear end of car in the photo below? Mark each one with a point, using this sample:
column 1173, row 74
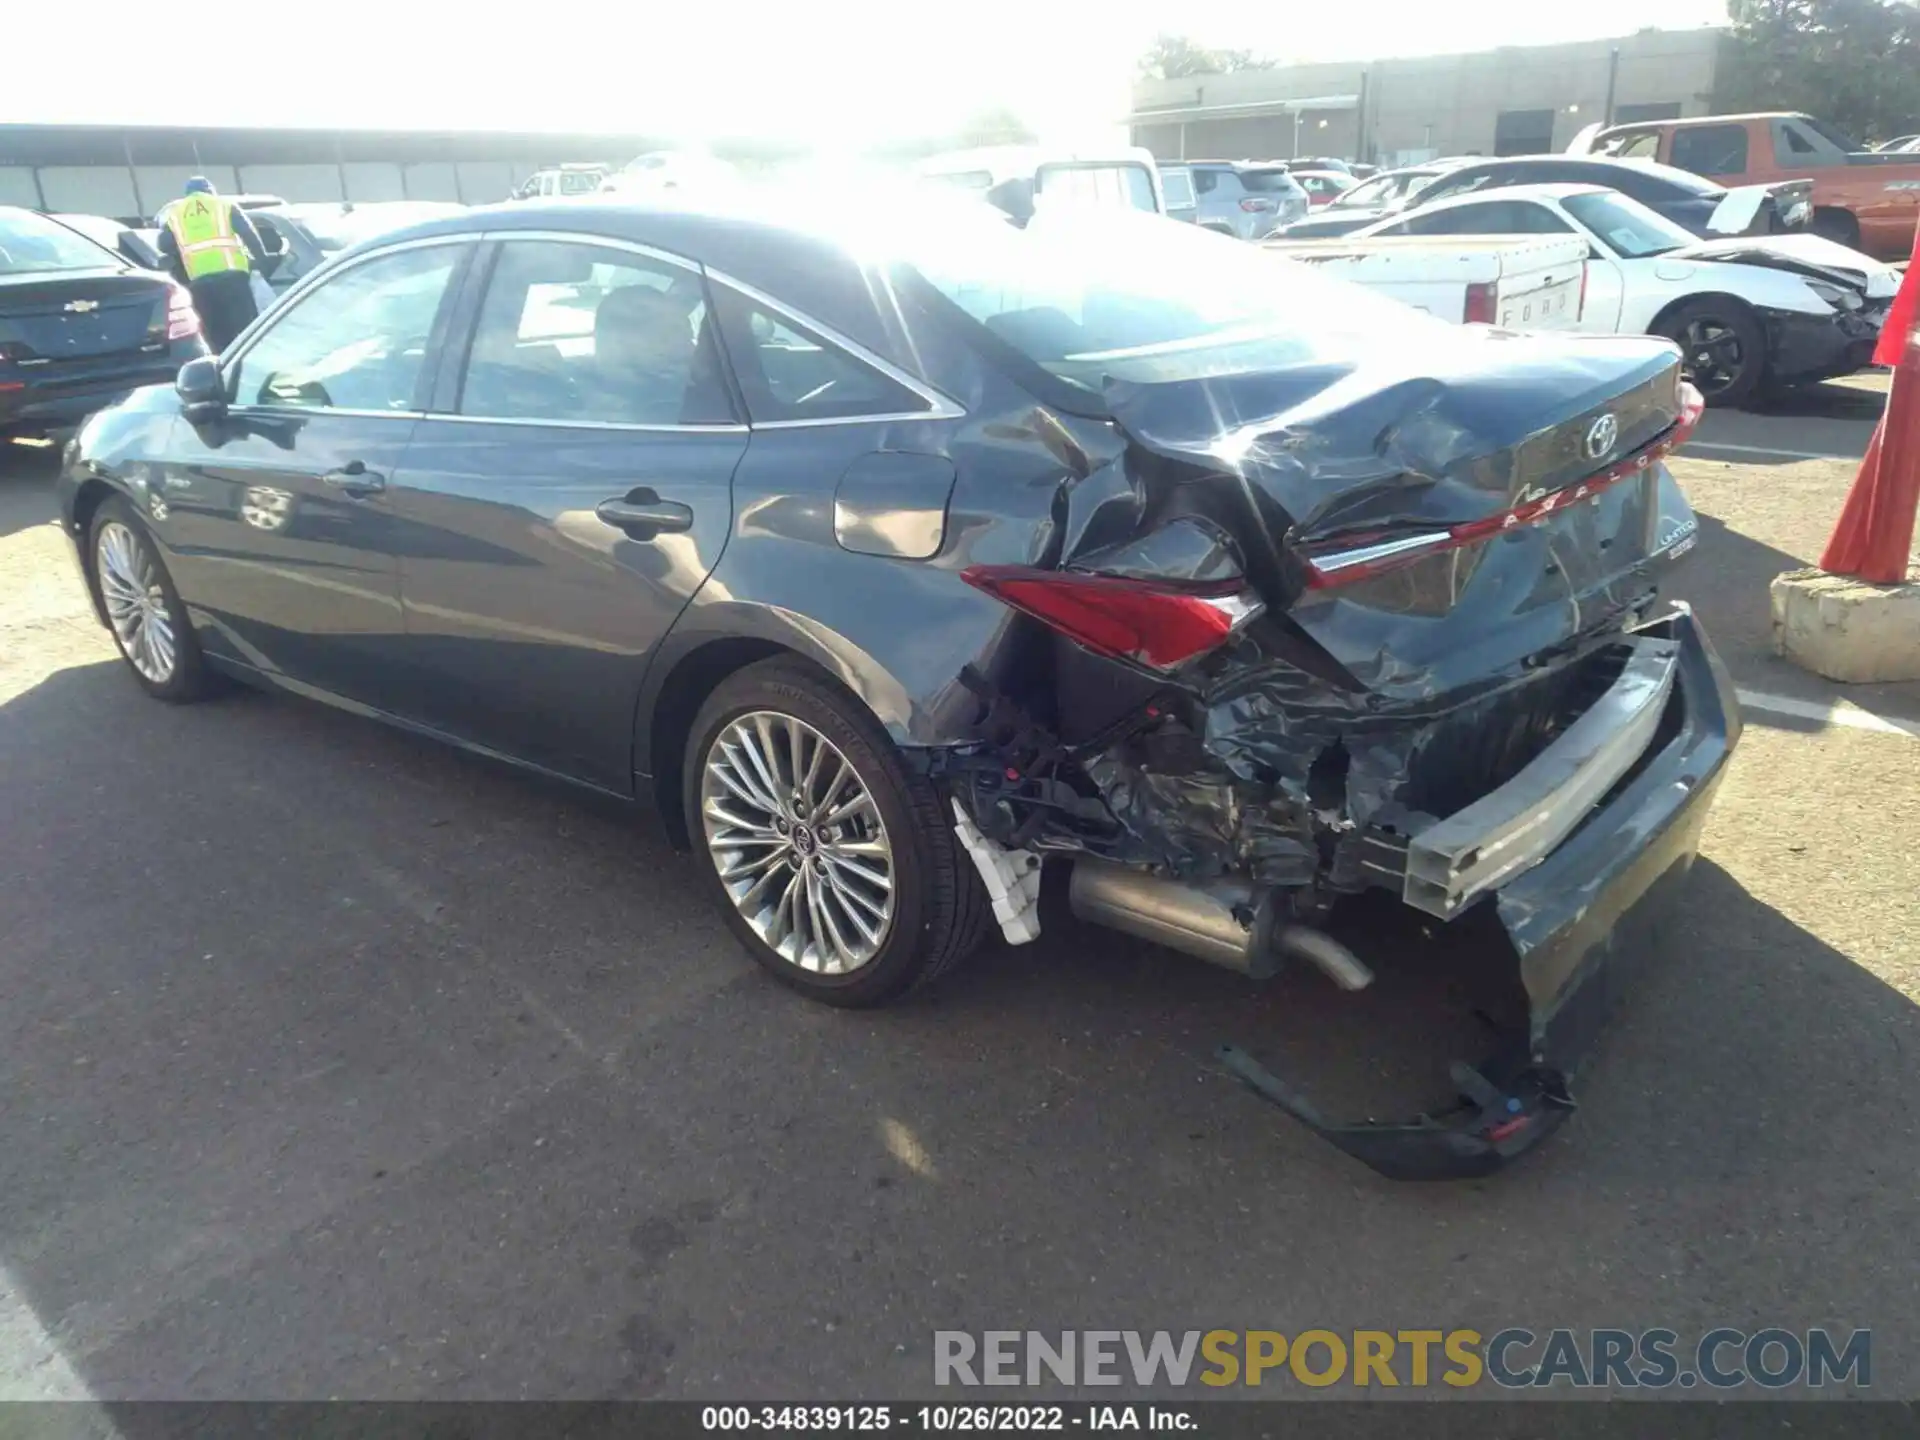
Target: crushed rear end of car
column 1382, row 624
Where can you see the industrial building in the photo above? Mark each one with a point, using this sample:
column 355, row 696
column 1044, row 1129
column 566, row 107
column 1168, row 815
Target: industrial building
column 131, row 171
column 1516, row 100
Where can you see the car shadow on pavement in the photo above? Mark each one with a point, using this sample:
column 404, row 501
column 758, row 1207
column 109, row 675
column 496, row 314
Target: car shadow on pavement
column 26, row 486
column 342, row 1064
column 1827, row 402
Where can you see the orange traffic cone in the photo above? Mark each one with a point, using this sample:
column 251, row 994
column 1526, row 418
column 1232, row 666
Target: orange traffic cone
column 1875, row 532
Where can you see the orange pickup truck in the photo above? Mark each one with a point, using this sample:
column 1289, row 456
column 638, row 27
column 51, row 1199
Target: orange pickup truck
column 1862, row 198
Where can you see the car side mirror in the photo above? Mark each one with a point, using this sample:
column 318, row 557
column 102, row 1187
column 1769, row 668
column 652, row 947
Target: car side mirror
column 202, row 390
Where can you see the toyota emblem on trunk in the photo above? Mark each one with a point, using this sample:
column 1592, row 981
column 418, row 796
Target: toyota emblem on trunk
column 1602, row 436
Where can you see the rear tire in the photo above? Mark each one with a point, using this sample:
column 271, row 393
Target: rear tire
column 143, row 610
column 1723, row 348
column 1840, row 226
column 850, row 901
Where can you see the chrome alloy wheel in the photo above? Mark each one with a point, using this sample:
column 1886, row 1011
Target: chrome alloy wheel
column 136, row 604
column 798, row 842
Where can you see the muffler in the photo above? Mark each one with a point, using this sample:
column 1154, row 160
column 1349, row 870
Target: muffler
column 1220, row 921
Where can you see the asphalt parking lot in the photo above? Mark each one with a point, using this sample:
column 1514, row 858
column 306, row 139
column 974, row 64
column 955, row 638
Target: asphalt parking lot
column 339, row 1065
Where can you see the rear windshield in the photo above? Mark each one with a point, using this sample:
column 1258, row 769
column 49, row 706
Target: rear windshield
column 1268, row 182
column 1099, row 296
column 32, row 244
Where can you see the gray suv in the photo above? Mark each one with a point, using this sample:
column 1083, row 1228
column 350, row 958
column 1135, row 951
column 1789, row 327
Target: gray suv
column 1235, row 197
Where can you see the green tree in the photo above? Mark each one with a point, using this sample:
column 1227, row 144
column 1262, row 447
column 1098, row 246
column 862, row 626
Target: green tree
column 1854, row 63
column 1173, row 57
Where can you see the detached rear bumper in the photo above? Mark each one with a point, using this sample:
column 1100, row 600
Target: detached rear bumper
column 1583, row 921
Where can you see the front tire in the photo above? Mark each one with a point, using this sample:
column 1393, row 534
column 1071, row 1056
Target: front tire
column 834, row 863
column 143, row 610
column 1723, row 348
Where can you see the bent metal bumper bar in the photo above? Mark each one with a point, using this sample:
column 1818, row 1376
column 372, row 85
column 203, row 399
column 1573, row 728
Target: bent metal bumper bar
column 1456, row 860
column 1582, row 916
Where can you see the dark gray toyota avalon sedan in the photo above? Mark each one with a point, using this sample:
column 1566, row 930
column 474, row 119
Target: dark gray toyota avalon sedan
column 895, row 555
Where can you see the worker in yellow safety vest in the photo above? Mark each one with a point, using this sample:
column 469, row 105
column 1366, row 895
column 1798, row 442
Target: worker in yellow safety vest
column 209, row 243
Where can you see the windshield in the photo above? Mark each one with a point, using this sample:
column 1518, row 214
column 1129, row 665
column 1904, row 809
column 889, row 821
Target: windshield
column 1093, row 297
column 1629, row 228
column 32, row 244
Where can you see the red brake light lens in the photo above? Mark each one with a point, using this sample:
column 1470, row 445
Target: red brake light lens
column 183, row 320
column 1157, row 625
column 1355, row 558
column 1255, row 203
column 1479, row 304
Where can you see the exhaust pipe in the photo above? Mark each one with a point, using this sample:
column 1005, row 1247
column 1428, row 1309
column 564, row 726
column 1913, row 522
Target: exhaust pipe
column 1220, row 921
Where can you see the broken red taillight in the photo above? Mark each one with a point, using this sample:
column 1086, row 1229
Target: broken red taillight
column 1157, row 625
column 1355, row 558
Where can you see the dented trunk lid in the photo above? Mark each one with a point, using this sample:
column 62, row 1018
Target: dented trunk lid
column 1340, row 455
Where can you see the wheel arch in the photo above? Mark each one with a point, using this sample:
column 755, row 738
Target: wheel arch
column 1840, row 224
column 692, row 664
column 1733, row 302
column 87, row 500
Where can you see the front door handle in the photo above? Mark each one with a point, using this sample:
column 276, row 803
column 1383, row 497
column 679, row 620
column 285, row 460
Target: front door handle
column 354, row 478
column 643, row 515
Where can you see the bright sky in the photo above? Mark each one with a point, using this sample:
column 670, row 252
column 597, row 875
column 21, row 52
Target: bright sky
column 828, row 71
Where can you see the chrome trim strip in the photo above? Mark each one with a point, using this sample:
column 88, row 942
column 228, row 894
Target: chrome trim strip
column 1511, row 829
column 728, row 427
column 306, row 412
column 943, row 406
column 1332, row 563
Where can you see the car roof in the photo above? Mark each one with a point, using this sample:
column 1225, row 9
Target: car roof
column 801, row 249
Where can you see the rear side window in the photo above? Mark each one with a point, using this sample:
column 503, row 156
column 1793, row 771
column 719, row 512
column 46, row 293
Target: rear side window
column 585, row 333
column 1206, row 181
column 791, row 375
column 1790, row 142
column 1711, row 149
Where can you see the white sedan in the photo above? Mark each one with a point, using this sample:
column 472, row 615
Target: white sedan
column 1747, row 312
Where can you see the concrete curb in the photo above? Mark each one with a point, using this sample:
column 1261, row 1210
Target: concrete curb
column 1847, row 629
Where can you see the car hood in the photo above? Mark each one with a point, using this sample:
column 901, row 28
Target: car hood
column 1812, row 256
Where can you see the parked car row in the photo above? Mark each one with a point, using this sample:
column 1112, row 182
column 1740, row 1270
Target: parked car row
column 1751, row 313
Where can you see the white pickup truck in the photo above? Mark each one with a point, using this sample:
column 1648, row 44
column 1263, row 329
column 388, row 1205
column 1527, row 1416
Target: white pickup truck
column 1521, row 282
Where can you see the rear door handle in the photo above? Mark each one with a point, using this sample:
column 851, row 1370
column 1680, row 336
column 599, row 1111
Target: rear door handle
column 644, row 515
column 354, row 478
